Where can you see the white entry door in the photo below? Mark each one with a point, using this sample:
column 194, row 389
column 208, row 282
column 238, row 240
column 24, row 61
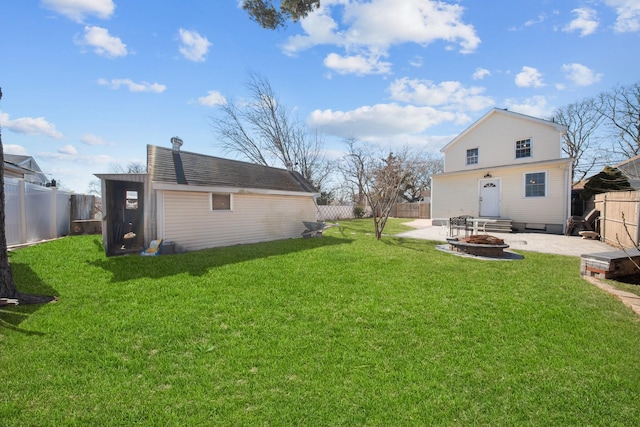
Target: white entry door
column 490, row 197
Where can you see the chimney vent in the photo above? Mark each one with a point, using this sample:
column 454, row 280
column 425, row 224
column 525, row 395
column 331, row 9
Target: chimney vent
column 176, row 143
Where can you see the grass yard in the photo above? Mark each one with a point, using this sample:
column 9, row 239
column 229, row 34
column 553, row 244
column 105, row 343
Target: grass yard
column 343, row 330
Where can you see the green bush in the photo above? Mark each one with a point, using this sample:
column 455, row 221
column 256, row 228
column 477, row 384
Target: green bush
column 358, row 212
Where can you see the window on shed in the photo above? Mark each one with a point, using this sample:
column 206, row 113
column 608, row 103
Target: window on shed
column 472, row 156
column 523, row 148
column 131, row 201
column 535, row 184
column 220, row 202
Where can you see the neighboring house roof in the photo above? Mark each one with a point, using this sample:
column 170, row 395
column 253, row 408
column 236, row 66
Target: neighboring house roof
column 631, row 169
column 30, row 168
column 15, row 169
column 557, row 126
column 164, row 165
column 631, row 161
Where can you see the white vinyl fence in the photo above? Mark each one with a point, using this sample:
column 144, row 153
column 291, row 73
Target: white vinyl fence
column 34, row 213
column 334, row 212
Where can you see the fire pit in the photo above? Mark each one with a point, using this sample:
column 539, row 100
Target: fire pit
column 479, row 245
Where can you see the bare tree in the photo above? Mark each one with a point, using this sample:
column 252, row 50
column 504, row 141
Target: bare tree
column 378, row 181
column 580, row 142
column 266, row 14
column 132, row 167
column 263, row 131
column 621, row 109
column 8, row 291
column 420, row 167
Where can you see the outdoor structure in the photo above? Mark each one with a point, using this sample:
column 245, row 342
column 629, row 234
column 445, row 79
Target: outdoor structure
column 193, row 201
column 24, row 167
column 506, row 166
column 630, row 168
column 35, row 209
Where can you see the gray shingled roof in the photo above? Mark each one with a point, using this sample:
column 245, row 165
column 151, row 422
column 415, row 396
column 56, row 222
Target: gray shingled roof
column 165, row 165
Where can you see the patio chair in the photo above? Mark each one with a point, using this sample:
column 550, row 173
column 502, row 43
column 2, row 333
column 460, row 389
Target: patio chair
column 588, row 222
column 458, row 223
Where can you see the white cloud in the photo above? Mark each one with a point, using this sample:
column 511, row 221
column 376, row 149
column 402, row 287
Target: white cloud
column 535, row 106
column 194, row 47
column 93, row 140
column 586, row 21
column 529, row 77
column 481, row 73
column 76, row 10
column 30, row 126
column 68, row 150
column 133, row 86
column 212, row 99
column 356, row 64
column 14, row 149
column 628, row 15
column 102, row 42
column 370, row 28
column 581, row 75
column 69, row 154
column 381, row 120
column 417, row 61
column 538, row 20
column 450, row 95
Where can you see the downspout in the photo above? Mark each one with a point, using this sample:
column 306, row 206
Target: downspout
column 566, row 211
column 431, row 203
column 637, row 236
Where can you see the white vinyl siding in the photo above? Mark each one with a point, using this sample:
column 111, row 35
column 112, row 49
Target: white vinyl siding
column 189, row 221
column 497, row 136
column 457, row 194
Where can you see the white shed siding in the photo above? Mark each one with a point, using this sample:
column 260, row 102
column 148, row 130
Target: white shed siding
column 189, row 221
column 495, row 140
column 458, row 194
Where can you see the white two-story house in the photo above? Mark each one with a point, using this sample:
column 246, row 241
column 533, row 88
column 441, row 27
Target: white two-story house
column 508, row 166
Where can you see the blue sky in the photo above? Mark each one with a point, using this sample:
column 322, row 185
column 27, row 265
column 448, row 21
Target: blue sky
column 89, row 83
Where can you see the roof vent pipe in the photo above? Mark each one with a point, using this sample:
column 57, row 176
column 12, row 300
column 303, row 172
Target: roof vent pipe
column 176, row 143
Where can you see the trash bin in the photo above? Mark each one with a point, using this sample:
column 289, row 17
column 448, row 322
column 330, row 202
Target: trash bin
column 168, row 248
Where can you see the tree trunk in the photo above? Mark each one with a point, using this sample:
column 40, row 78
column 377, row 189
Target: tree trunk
column 8, row 289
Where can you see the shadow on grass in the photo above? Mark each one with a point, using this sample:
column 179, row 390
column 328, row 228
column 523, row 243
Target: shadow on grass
column 198, row 263
column 27, row 282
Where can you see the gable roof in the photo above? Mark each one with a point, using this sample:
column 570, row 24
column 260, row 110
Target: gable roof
column 181, row 167
column 28, row 166
column 629, row 162
column 559, row 127
column 13, row 167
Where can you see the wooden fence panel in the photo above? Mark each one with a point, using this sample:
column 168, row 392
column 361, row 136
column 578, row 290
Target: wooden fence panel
column 413, row 210
column 619, row 217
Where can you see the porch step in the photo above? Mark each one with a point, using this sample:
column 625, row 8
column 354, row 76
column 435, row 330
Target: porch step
column 496, row 226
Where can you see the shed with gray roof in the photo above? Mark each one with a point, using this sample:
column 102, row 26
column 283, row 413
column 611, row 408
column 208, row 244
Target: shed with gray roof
column 199, row 201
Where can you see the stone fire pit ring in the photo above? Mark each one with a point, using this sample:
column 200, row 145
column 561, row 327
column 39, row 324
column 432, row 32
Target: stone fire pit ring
column 491, row 247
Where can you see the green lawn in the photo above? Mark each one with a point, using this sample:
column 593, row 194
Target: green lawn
column 343, row 330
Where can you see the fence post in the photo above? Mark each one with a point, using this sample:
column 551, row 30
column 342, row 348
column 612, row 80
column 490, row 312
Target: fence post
column 22, row 199
column 603, row 214
column 637, row 231
column 53, row 218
